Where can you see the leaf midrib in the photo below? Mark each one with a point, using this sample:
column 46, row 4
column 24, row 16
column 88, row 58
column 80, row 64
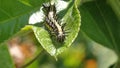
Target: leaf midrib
column 99, row 29
column 108, row 28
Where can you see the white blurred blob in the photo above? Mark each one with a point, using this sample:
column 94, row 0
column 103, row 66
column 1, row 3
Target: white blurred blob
column 105, row 56
column 61, row 5
column 38, row 16
column 16, row 52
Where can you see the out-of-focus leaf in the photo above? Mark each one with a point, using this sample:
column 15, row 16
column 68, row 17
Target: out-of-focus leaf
column 23, row 47
column 101, row 24
column 115, row 4
column 7, row 29
column 14, row 15
column 33, row 65
column 84, row 1
column 73, row 61
column 28, row 36
column 105, row 56
column 5, row 58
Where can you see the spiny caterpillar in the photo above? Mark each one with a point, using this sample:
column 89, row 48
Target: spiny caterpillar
column 52, row 22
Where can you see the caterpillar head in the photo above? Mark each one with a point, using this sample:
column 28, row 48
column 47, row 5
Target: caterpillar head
column 47, row 7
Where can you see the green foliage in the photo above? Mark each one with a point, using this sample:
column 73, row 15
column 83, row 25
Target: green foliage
column 14, row 15
column 100, row 23
column 5, row 58
column 13, row 18
column 115, row 5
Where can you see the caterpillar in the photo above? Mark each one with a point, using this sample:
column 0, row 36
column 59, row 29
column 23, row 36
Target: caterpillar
column 52, row 22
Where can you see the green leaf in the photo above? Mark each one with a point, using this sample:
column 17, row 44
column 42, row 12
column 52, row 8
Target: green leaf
column 100, row 23
column 44, row 38
column 52, row 46
column 72, row 19
column 5, row 58
column 14, row 15
column 115, row 5
column 9, row 28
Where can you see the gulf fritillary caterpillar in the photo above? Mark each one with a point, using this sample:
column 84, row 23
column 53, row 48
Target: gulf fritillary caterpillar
column 52, row 23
